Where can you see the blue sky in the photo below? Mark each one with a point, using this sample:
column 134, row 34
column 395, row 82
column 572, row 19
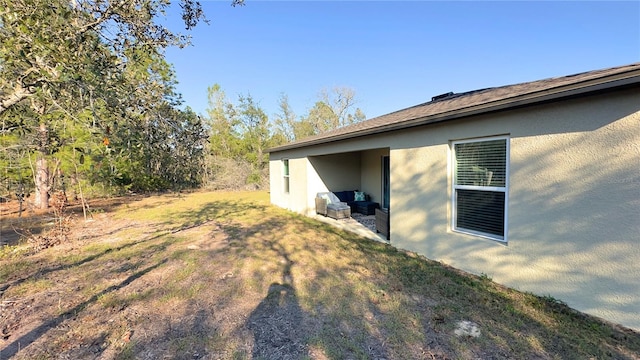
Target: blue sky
column 396, row 54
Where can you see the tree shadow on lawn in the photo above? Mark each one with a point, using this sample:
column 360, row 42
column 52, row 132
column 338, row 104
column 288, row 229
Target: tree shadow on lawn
column 333, row 294
column 419, row 303
column 186, row 220
column 375, row 301
column 34, row 272
column 281, row 327
column 220, row 211
column 188, row 337
column 513, row 324
column 339, row 320
column 37, row 272
column 33, row 335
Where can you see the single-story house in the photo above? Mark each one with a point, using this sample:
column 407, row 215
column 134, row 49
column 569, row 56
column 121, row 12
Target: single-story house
column 536, row 185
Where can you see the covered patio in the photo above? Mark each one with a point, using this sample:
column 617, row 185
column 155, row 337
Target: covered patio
column 363, row 225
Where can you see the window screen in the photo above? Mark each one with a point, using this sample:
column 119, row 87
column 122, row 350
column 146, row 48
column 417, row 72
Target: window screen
column 479, row 187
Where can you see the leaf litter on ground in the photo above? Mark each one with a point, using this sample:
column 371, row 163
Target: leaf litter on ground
column 225, row 275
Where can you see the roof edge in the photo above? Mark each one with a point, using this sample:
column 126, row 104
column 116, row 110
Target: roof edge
column 581, row 88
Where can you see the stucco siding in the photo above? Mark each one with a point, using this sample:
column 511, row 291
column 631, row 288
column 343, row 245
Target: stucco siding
column 371, row 173
column 310, row 175
column 573, row 209
column 573, row 198
column 298, row 180
column 575, row 206
column 338, row 172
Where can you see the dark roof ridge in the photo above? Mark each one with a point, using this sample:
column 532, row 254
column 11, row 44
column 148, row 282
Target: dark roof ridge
column 455, row 95
column 478, row 101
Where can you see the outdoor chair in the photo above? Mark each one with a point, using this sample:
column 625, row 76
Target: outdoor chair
column 328, row 204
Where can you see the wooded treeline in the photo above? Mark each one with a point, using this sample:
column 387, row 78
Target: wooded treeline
column 88, row 105
column 241, row 132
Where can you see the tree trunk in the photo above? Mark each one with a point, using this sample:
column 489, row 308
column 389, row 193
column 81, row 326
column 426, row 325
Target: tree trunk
column 42, row 182
column 42, row 170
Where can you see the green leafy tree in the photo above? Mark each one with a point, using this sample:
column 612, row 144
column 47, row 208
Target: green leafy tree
column 254, row 127
column 14, row 154
column 225, row 164
column 334, row 109
column 284, row 122
column 224, row 124
column 321, row 118
column 66, row 59
column 240, row 135
column 190, row 147
column 49, row 47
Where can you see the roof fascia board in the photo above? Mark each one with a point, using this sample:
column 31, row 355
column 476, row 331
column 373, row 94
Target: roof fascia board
column 521, row 101
column 582, row 88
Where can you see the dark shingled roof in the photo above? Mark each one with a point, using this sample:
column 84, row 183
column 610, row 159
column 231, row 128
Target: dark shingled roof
column 454, row 106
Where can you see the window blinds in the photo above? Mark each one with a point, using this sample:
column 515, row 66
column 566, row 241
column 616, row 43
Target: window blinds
column 480, row 211
column 481, row 163
column 480, row 175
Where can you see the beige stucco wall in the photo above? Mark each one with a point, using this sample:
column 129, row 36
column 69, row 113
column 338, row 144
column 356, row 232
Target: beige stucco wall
column 371, row 173
column 297, row 189
column 573, row 201
column 310, row 175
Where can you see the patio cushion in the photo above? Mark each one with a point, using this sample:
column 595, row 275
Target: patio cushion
column 345, row 196
column 359, row 196
column 329, row 196
column 338, row 206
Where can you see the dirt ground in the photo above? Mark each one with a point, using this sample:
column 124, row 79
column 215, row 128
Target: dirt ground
column 14, row 224
column 17, row 314
column 65, row 304
column 63, row 322
column 207, row 286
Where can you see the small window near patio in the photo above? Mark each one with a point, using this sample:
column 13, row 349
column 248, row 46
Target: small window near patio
column 480, row 187
column 285, row 168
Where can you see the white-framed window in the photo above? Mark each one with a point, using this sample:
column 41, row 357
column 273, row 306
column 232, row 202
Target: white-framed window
column 285, row 175
column 480, row 182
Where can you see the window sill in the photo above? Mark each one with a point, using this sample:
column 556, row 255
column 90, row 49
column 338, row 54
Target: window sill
column 484, row 236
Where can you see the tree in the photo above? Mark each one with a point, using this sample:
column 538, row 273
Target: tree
column 226, row 167
column 190, row 146
column 284, row 122
column 241, row 132
column 240, row 135
column 46, row 43
column 334, row 109
column 223, row 124
column 321, row 118
column 66, row 58
column 341, row 100
column 165, row 152
column 14, row 160
column 254, row 127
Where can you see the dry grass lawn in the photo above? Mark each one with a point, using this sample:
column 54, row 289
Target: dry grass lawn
column 227, row 276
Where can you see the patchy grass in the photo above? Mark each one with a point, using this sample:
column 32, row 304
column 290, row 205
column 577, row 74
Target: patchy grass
column 226, row 275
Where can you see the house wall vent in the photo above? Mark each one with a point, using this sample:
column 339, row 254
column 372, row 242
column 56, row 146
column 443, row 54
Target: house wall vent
column 442, row 96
